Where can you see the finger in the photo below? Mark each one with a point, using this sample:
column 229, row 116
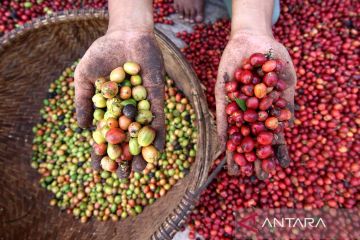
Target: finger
column 221, row 123
column 281, row 150
column 291, row 107
column 153, row 74
column 84, row 90
column 187, row 14
column 282, row 155
column 180, row 12
column 221, row 118
column 95, row 161
column 199, row 11
column 279, row 138
column 157, row 108
column 233, row 168
column 260, row 173
column 226, row 71
column 288, row 75
column 192, row 15
column 176, row 7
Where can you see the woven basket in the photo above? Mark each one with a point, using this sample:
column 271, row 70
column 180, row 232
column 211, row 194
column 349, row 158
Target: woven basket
column 30, row 58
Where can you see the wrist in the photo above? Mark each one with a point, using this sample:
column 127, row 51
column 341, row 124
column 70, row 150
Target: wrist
column 130, row 16
column 252, row 17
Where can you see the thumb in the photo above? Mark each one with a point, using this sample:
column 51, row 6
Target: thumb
column 288, row 75
column 281, row 150
column 84, row 90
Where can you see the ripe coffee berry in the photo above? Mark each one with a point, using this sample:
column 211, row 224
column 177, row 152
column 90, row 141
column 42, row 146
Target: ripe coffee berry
column 257, row 114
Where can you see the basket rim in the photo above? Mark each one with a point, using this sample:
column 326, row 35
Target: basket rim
column 60, row 16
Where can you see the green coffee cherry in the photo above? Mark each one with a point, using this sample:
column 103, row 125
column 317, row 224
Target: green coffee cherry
column 99, row 101
column 98, row 137
column 117, row 75
column 132, row 68
column 144, row 105
column 99, row 114
column 135, row 80
column 144, row 117
column 134, row 147
column 139, row 93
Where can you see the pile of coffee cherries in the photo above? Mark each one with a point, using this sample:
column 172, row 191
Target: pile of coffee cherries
column 322, row 38
column 122, row 117
column 256, row 113
column 13, row 14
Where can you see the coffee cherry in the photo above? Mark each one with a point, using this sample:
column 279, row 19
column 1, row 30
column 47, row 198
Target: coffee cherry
column 250, row 115
column 285, row 115
column 233, row 129
column 245, row 77
column 270, row 79
column 248, row 90
column 265, row 103
column 237, row 116
column 269, row 66
column 252, row 102
column 231, row 86
column 239, row 149
column 280, row 85
column 237, row 74
column 100, row 149
column 260, row 90
column 257, row 128
column 239, row 159
column 250, row 156
column 263, row 152
column 281, row 103
column 231, row 108
column 245, row 130
column 236, row 138
column 248, row 169
column 262, row 116
column 234, row 95
column 115, row 136
column 268, row 165
column 274, row 95
column 272, row 123
column 230, row 146
column 257, row 59
column 247, row 144
column 265, row 138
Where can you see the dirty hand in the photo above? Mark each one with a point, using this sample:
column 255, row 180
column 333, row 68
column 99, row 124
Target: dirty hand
column 111, row 51
column 240, row 46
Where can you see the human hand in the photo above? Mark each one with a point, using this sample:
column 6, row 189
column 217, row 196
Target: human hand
column 112, row 50
column 242, row 45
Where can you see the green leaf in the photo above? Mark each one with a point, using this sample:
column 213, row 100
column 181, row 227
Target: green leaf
column 241, row 103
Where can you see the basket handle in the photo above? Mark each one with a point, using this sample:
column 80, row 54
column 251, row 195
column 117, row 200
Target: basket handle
column 177, row 220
